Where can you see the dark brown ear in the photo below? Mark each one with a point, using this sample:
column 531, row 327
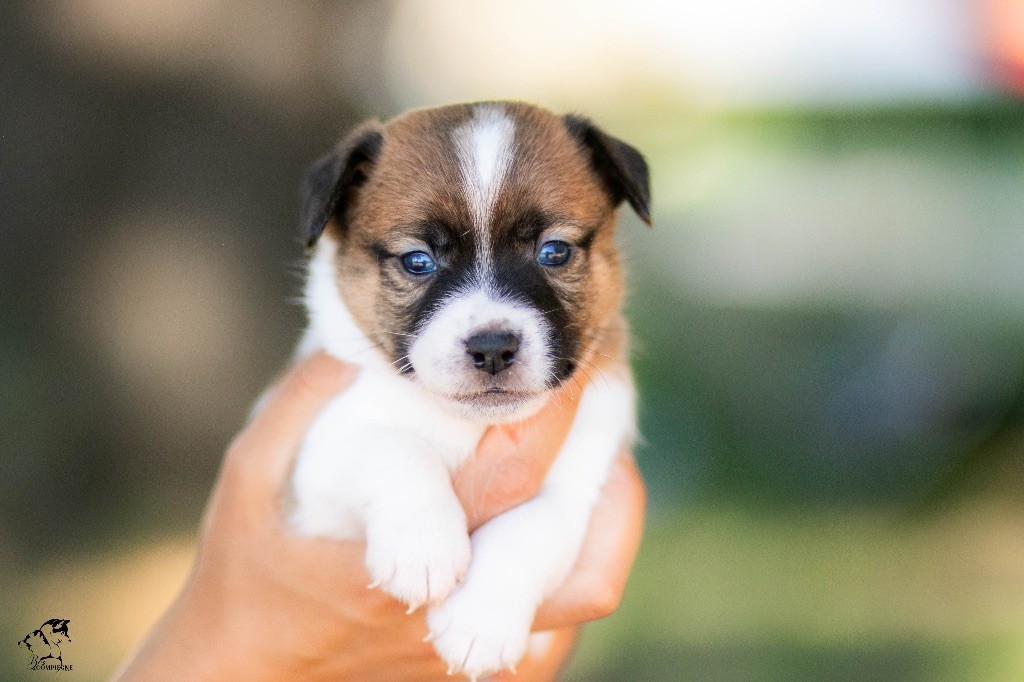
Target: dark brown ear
column 331, row 181
column 621, row 168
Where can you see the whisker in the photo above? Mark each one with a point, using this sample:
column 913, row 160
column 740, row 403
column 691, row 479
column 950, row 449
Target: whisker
column 364, row 350
column 590, row 379
column 596, row 369
column 403, row 359
column 591, row 350
column 607, row 357
column 577, row 381
column 412, row 336
column 572, row 376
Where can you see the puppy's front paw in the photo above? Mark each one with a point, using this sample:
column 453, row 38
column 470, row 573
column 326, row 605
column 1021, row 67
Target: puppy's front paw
column 419, row 560
column 477, row 635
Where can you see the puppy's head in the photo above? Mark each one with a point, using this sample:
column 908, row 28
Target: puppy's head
column 473, row 245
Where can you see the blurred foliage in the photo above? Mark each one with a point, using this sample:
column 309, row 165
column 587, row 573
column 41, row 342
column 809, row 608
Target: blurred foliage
column 724, row 595
column 838, row 395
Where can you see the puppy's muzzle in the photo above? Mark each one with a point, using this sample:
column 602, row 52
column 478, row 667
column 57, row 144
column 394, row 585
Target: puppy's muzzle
column 493, row 351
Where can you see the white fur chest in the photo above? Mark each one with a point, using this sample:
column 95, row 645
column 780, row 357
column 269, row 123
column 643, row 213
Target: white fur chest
column 338, row 455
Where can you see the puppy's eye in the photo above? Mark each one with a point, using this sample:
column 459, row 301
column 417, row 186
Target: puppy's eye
column 553, row 253
column 419, row 263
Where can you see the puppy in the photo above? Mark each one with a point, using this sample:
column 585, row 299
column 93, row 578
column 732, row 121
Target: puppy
column 464, row 258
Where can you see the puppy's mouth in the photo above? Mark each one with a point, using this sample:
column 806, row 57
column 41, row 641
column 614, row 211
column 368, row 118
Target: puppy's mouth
column 495, row 395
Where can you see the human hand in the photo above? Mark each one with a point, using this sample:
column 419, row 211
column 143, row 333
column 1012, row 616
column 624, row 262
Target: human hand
column 263, row 604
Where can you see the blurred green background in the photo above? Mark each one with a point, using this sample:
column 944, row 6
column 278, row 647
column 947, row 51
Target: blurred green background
column 829, row 312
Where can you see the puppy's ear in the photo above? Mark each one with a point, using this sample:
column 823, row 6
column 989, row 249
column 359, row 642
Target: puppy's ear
column 331, row 183
column 622, row 169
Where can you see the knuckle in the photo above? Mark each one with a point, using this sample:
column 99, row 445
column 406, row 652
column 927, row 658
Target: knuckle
column 627, row 478
column 234, row 455
column 604, row 600
column 237, row 470
column 639, row 489
column 314, row 376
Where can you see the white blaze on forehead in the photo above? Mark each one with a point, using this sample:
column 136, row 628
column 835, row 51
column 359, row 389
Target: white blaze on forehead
column 484, row 148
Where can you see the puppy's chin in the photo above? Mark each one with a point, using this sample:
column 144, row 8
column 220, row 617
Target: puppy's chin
column 493, row 407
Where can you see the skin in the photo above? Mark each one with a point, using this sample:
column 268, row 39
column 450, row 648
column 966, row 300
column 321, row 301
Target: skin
column 261, row 604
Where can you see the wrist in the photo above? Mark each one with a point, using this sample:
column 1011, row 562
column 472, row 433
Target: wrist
column 183, row 645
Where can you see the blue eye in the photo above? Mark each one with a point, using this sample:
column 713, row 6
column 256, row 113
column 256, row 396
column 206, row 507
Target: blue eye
column 419, row 263
column 553, row 253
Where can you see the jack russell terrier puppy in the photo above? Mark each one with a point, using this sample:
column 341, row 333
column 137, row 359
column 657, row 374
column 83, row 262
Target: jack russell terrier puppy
column 464, row 258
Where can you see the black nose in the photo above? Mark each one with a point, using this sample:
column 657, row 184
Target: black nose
column 492, row 351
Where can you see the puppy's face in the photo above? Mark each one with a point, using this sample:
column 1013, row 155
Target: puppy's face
column 475, row 246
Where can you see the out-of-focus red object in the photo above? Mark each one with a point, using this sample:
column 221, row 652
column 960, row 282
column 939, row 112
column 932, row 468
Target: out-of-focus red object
column 1004, row 31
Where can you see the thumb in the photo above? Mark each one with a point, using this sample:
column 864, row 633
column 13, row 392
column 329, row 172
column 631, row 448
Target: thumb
column 266, row 447
column 512, row 460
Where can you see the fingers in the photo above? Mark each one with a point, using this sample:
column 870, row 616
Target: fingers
column 512, row 459
column 595, row 586
column 266, row 447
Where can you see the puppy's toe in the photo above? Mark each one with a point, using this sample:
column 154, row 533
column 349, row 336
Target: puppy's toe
column 419, row 568
column 477, row 636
